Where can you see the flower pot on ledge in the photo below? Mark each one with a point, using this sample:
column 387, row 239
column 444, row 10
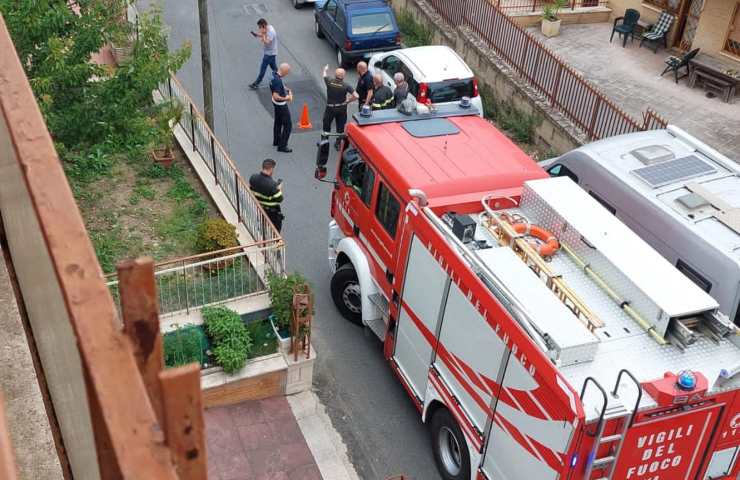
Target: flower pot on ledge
column 283, row 337
column 550, row 28
column 163, row 156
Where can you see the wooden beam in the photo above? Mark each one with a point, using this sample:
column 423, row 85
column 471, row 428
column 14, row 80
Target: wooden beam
column 140, row 310
column 183, row 420
column 7, row 458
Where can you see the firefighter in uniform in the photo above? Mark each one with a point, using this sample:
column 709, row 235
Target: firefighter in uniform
column 268, row 192
column 382, row 95
column 338, row 95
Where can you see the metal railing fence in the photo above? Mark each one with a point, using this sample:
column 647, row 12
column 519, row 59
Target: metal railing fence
column 561, row 85
column 531, row 6
column 191, row 283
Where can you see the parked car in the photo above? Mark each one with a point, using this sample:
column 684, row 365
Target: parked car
column 678, row 194
column 356, row 28
column 436, row 74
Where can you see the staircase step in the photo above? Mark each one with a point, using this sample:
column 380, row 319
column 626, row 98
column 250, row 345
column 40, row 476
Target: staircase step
column 377, row 326
column 379, row 300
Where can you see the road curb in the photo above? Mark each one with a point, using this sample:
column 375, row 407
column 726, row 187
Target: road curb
column 323, row 440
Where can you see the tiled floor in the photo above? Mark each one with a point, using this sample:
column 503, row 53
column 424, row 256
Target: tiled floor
column 257, row 440
column 631, row 77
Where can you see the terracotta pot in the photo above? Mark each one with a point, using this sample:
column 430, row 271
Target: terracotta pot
column 550, row 28
column 163, row 156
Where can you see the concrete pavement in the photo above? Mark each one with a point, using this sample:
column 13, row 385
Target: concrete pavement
column 365, row 402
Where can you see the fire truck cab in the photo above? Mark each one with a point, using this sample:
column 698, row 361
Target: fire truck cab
column 538, row 336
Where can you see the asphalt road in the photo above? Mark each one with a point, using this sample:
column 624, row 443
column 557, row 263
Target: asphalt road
column 367, row 405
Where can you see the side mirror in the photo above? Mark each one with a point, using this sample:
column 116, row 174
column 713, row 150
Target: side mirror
column 322, row 152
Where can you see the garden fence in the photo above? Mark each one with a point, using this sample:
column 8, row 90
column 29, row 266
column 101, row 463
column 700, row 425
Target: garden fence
column 561, row 85
column 213, row 278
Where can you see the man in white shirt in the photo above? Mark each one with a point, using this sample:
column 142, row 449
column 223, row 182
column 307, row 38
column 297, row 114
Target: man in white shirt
column 268, row 37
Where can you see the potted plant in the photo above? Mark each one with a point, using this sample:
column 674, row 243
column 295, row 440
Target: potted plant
column 550, row 19
column 281, row 297
column 163, row 150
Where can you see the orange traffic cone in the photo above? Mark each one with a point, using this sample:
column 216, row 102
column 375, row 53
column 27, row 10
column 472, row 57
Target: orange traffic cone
column 305, row 122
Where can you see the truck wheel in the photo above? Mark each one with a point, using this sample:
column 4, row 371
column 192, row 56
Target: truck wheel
column 317, row 29
column 346, row 293
column 449, row 447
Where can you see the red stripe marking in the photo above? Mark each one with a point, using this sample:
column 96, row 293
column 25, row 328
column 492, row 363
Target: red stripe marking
column 456, row 412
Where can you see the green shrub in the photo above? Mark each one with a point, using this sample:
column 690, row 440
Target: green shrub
column 414, row 33
column 281, row 296
column 230, row 338
column 183, row 346
column 520, row 125
column 215, row 234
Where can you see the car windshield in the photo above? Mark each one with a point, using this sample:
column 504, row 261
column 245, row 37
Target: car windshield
column 369, row 23
column 450, row 90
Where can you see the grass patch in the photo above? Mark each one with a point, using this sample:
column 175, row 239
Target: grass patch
column 133, row 206
column 414, row 33
column 520, row 126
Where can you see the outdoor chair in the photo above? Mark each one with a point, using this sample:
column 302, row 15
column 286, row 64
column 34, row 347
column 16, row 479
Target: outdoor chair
column 674, row 64
column 659, row 32
column 625, row 26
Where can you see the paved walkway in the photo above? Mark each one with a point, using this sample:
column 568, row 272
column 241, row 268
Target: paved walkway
column 631, row 77
column 279, row 438
column 257, row 440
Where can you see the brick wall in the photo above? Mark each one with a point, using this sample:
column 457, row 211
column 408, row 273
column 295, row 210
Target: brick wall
column 712, row 30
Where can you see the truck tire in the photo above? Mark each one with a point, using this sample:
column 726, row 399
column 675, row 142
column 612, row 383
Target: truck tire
column 346, row 293
column 317, row 29
column 449, row 447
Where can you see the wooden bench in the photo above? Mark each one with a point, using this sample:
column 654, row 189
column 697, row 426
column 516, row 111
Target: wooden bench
column 712, row 83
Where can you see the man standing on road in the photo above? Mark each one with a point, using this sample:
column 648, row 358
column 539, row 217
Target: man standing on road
column 338, row 95
column 401, row 91
column 268, row 192
column 364, row 84
column 280, row 98
column 268, row 38
column 382, row 95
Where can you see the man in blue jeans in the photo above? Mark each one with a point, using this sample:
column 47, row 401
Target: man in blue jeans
column 268, row 36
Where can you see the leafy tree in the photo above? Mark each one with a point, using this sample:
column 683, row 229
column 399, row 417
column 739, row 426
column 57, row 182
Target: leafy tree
column 89, row 107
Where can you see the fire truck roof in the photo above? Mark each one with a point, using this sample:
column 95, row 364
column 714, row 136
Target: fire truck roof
column 449, row 157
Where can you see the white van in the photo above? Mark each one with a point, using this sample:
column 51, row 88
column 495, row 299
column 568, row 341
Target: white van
column 678, row 194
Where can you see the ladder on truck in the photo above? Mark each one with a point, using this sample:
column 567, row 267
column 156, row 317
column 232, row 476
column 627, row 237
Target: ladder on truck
column 609, row 462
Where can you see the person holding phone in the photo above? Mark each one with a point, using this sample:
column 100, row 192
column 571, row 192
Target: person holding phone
column 268, row 37
column 268, row 192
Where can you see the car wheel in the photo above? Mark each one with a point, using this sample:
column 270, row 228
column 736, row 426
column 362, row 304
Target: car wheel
column 449, row 447
column 297, row 4
column 317, row 29
column 341, row 59
column 346, row 293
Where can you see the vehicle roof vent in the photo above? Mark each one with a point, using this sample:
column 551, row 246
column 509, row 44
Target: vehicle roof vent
column 652, row 154
column 671, row 171
column 692, row 201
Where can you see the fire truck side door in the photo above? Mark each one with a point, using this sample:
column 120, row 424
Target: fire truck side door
column 354, row 195
column 383, row 233
column 424, row 289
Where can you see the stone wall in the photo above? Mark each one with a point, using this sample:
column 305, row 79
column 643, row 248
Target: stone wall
column 554, row 132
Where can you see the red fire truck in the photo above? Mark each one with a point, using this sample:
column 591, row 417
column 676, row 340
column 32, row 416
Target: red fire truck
column 537, row 335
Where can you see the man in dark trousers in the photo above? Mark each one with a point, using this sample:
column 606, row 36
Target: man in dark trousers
column 268, row 37
column 280, row 98
column 338, row 95
column 268, row 192
column 364, row 84
column 382, row 95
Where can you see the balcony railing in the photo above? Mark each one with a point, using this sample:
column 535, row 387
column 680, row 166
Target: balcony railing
column 191, row 283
